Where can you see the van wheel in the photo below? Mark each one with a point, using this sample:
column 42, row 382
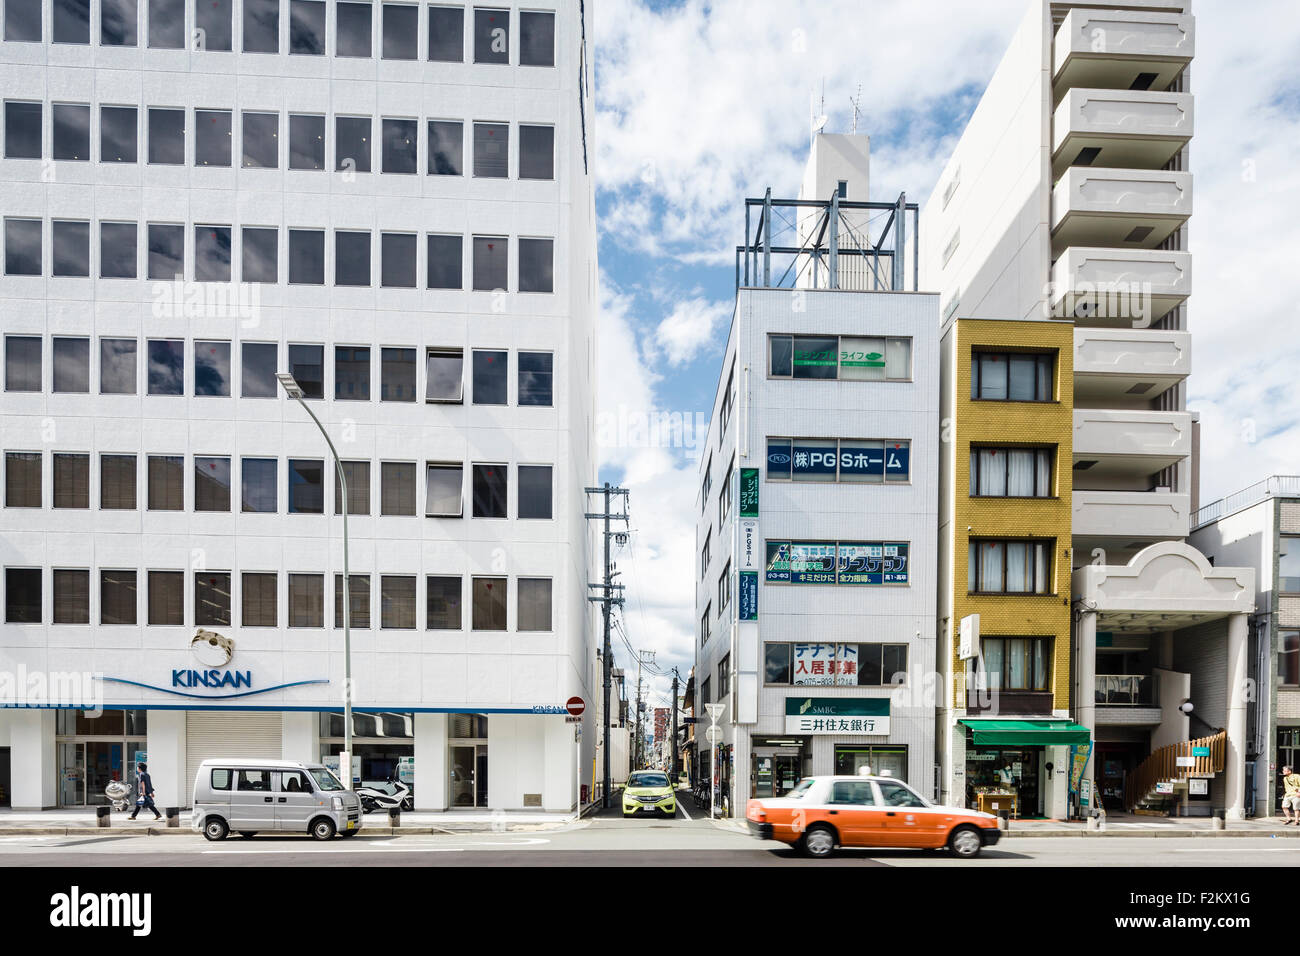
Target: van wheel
column 322, row 828
column 965, row 842
column 246, row 834
column 818, row 842
column 215, row 829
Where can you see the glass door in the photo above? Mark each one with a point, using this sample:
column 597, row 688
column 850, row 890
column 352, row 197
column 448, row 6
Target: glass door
column 785, row 773
column 103, row 765
column 480, row 776
column 72, row 773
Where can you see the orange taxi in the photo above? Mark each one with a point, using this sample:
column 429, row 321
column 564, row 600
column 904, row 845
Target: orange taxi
column 822, row 813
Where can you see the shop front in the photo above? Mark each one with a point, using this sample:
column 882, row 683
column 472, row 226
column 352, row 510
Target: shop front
column 777, row 764
column 885, row 759
column 1011, row 765
column 95, row 751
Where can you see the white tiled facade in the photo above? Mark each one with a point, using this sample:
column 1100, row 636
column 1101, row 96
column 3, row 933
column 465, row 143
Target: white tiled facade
column 508, row 674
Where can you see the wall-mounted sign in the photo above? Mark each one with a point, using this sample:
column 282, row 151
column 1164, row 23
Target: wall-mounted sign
column 837, row 715
column 1164, row 786
column 1184, row 761
column 1198, row 787
column 1200, row 751
column 748, row 607
column 844, row 562
column 748, row 558
column 749, row 492
column 969, row 645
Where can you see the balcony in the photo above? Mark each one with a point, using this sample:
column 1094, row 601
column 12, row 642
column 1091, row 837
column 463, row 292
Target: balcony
column 1124, row 208
column 1126, row 699
column 1119, row 287
column 1114, row 366
column 1137, row 516
column 1145, row 440
column 1114, row 49
column 1120, row 129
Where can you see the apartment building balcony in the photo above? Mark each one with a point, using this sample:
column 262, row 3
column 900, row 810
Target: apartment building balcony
column 1115, row 49
column 1124, row 208
column 1119, row 287
column 1114, row 366
column 1148, row 441
column 1126, row 700
column 1124, row 129
column 1137, row 516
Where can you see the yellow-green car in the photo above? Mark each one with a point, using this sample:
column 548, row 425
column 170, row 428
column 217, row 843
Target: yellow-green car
column 648, row 791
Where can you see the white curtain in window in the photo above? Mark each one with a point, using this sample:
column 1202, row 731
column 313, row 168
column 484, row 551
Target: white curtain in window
column 898, row 358
column 1018, row 568
column 443, row 490
column 1022, row 378
column 993, row 662
column 992, row 472
column 1044, row 377
column 1020, row 473
column 1040, row 664
column 1043, row 465
column 993, row 377
column 990, row 566
column 1017, row 658
column 1040, row 568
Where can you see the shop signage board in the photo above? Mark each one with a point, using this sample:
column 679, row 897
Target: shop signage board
column 405, row 770
column 825, row 664
column 749, row 559
column 1185, row 761
column 1198, row 787
column 749, row 492
column 1164, row 786
column 969, row 646
column 837, row 715
column 1200, row 751
column 748, row 607
column 829, row 562
column 1079, row 754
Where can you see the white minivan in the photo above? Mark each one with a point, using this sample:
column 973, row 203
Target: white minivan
column 249, row 796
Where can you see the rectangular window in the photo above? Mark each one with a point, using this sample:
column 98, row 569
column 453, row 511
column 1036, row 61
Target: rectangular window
column 490, row 487
column 352, row 29
column 446, row 34
column 490, row 377
column 212, row 253
column 166, row 24
column 23, row 21
column 166, row 252
column 117, row 597
column 878, row 665
column 491, row 35
column 306, row 364
column 71, row 365
column 259, row 250
column 259, row 599
column 258, row 368
column 117, row 482
column 212, row 19
column 306, row 141
column 445, row 376
column 23, row 479
column 491, row 150
column 211, row 484
column 306, row 257
column 777, row 664
column 22, row 363
column 724, row 588
column 397, row 601
column 165, row 483
column 167, row 598
column 22, row 595
column 1011, row 472
column 401, row 31
column 442, row 496
column 844, row 562
column 351, row 258
column 258, row 486
column 535, row 491
column 352, row 144
column 71, row 134
column 704, row 554
column 442, row 603
column 446, row 146
column 536, row 152
column 490, row 263
column 724, row 495
column 534, row 603
column 261, row 140
column 536, row 265
column 212, row 369
column 117, row 134
column 358, row 599
column 117, row 22
column 1288, row 657
column 166, row 366
column 22, row 247
column 1017, row 663
column 70, row 248
column 71, row 481
column 357, row 476
column 306, row 486
column 166, row 137
column 843, row 460
column 306, row 600
column 536, row 39
column 398, row 145
column 71, row 596
column 706, row 624
column 397, row 488
column 397, row 260
column 1011, row 377
column 445, row 260
column 307, row 27
column 536, row 378
column 23, row 127
column 489, row 604
column 397, row 375
column 724, row 675
column 212, row 598
column 351, row 373
column 1288, row 564
column 1010, row 567
column 117, row 258
column 261, row 26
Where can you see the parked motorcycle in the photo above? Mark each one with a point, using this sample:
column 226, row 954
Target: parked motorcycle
column 391, row 795
column 119, row 793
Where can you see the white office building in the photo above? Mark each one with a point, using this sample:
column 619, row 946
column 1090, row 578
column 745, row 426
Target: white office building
column 392, row 202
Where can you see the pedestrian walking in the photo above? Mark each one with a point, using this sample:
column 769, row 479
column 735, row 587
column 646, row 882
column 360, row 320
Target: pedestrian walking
column 144, row 792
column 1290, row 796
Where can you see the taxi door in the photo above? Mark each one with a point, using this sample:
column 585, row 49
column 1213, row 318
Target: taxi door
column 908, row 820
column 853, row 809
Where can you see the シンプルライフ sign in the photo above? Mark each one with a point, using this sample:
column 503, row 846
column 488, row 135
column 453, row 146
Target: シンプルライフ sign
column 837, row 715
column 749, row 492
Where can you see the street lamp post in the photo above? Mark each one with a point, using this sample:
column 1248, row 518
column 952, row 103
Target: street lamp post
column 294, row 391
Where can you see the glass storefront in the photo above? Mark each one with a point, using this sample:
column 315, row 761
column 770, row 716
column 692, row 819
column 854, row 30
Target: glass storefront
column 468, row 760
column 380, row 741
column 94, row 751
column 777, row 764
column 1288, row 755
column 887, row 759
column 1002, row 778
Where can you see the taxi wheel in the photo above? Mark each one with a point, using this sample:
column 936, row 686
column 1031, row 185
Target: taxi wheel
column 965, row 842
column 818, row 842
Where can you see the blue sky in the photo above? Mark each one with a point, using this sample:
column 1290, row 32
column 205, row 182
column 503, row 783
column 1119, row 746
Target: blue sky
column 699, row 105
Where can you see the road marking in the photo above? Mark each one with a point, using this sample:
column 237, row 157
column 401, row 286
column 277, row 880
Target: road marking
column 406, row 841
column 1236, row 849
column 360, row 849
column 683, row 809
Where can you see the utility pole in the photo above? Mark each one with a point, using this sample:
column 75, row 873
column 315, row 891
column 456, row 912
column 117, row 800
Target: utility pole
column 607, row 599
column 641, row 657
column 676, row 768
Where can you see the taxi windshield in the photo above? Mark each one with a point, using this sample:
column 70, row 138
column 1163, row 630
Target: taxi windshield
column 647, row 780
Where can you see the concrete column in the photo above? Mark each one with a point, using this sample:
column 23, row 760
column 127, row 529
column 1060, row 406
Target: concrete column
column 1086, row 705
column 33, row 763
column 1234, row 771
column 1057, row 798
column 558, row 776
column 300, row 736
column 431, row 762
column 954, row 777
column 165, row 744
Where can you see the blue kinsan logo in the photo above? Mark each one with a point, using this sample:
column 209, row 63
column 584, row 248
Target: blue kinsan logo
column 211, row 678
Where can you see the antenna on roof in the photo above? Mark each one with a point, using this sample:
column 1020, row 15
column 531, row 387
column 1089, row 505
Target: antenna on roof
column 857, row 108
column 818, row 109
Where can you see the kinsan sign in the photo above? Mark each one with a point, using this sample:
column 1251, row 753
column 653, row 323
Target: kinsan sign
column 211, row 678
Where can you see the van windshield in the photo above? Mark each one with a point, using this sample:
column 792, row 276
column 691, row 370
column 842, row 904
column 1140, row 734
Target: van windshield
column 324, row 779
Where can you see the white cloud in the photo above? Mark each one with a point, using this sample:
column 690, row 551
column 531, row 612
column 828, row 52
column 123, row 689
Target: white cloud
column 690, row 327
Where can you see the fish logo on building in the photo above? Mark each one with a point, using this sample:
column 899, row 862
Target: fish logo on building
column 211, row 648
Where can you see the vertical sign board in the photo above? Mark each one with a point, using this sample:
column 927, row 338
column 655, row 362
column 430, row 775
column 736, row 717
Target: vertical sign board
column 969, row 645
column 748, row 610
column 748, row 563
column 749, row 492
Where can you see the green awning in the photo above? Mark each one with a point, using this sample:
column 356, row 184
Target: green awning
column 1026, row 733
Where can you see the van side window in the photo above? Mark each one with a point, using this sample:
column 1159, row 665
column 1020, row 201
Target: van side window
column 255, row 780
column 221, row 779
column 294, row 781
column 852, row 791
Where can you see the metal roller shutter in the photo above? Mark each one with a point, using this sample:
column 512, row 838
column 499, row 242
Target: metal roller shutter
column 210, row 734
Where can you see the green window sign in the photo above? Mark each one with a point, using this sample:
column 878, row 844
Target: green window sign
column 749, row 492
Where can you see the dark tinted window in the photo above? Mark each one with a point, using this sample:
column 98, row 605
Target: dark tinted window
column 397, row 260
column 401, row 32
column 352, row 33
column 167, row 137
column 776, row 663
column 117, row 482
column 212, row 253
column 306, row 142
column 23, row 20
column 490, row 372
column 71, row 131
column 536, row 265
column 71, row 597
column 213, row 138
column 22, row 590
column 166, row 251
column 165, row 481
column 261, row 140
column 447, row 34
column 117, row 366
column 117, row 250
column 257, row 489
column 71, row 21
column 306, row 486
column 489, row 611
column 305, row 365
column 22, row 127
column 257, row 375
column 443, row 604
column 306, row 257
column 351, row 258
column 536, row 39
column 351, row 373
column 211, row 484
column 167, row 599
column 399, row 146
column 446, row 147
column 166, row 366
column 212, row 368
column 211, row 599
column 352, row 143
column 22, row 363
column 117, row 134
column 444, row 265
column 397, row 370
column 535, row 378
column 490, row 491
column 212, row 24
column 167, row 24
column 23, row 247
column 491, row 36
column 534, row 491
column 70, row 247
column 491, row 150
column 259, row 255
column 261, row 26
column 397, row 488
column 307, row 27
column 536, row 152
column 71, row 365
column 490, row 263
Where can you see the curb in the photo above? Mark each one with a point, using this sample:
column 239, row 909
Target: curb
column 1162, row 833
column 188, row 831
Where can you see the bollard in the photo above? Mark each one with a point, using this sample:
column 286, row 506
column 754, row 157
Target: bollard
column 1217, row 821
column 1004, row 819
column 395, row 817
column 1093, row 823
column 173, row 817
column 103, row 816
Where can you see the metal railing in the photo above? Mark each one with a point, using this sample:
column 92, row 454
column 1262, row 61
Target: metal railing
column 1273, row 486
column 1125, row 690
